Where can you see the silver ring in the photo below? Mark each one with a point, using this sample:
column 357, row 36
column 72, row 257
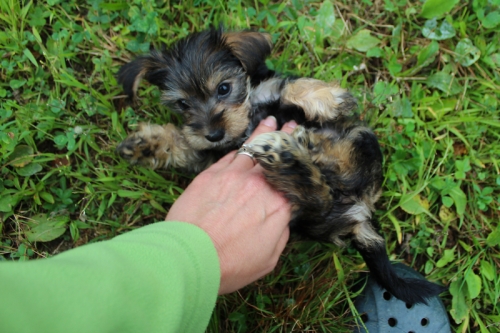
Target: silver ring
column 245, row 151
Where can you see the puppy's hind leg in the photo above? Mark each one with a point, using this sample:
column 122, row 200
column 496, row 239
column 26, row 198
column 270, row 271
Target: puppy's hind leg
column 371, row 246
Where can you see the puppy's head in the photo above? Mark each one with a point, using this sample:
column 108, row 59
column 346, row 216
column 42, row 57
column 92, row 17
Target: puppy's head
column 205, row 77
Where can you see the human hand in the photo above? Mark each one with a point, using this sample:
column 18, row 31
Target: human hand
column 244, row 216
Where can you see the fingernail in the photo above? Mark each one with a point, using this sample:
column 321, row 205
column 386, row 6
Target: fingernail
column 270, row 121
column 291, row 124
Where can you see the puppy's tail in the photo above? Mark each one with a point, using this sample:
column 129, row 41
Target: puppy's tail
column 409, row 290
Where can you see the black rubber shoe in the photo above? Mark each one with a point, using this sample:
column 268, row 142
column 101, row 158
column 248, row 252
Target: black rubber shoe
column 383, row 313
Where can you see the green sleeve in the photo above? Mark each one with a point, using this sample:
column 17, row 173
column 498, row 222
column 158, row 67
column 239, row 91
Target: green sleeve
column 163, row 277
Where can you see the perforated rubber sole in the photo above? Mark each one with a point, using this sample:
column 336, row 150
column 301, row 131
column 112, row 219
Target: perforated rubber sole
column 383, row 313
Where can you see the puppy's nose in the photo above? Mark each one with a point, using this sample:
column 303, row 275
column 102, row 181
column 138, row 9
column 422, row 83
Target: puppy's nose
column 215, row 135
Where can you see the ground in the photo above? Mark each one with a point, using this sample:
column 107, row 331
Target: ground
column 426, row 76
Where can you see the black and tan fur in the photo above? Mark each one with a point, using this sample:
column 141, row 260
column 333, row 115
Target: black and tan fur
column 330, row 167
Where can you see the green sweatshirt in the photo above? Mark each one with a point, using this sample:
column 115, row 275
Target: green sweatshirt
column 163, row 277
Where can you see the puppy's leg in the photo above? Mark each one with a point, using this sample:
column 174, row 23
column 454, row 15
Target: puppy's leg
column 321, row 101
column 157, row 146
column 328, row 212
column 289, row 168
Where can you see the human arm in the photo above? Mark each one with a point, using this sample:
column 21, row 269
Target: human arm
column 162, row 277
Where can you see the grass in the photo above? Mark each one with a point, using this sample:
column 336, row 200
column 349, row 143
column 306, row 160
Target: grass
column 427, row 79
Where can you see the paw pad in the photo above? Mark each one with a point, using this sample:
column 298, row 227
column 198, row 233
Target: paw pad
column 275, row 148
column 149, row 147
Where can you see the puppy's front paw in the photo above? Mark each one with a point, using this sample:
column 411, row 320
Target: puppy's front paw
column 321, row 101
column 149, row 146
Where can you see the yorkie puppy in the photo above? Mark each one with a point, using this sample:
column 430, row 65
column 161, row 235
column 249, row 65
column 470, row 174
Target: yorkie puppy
column 330, row 167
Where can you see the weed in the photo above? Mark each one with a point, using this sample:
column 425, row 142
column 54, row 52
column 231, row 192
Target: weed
column 426, row 76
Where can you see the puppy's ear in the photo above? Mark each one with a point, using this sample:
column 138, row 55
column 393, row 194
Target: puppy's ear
column 152, row 67
column 251, row 48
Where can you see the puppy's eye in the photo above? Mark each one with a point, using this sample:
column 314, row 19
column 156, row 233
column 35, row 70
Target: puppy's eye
column 182, row 104
column 224, row 89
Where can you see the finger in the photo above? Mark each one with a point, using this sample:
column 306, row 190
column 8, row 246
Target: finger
column 224, row 161
column 244, row 161
column 267, row 125
column 220, row 164
column 289, row 127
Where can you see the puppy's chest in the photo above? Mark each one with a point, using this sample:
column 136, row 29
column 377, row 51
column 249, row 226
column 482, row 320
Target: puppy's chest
column 282, row 112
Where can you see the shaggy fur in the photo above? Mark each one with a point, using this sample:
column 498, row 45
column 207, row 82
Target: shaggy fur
column 330, row 167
